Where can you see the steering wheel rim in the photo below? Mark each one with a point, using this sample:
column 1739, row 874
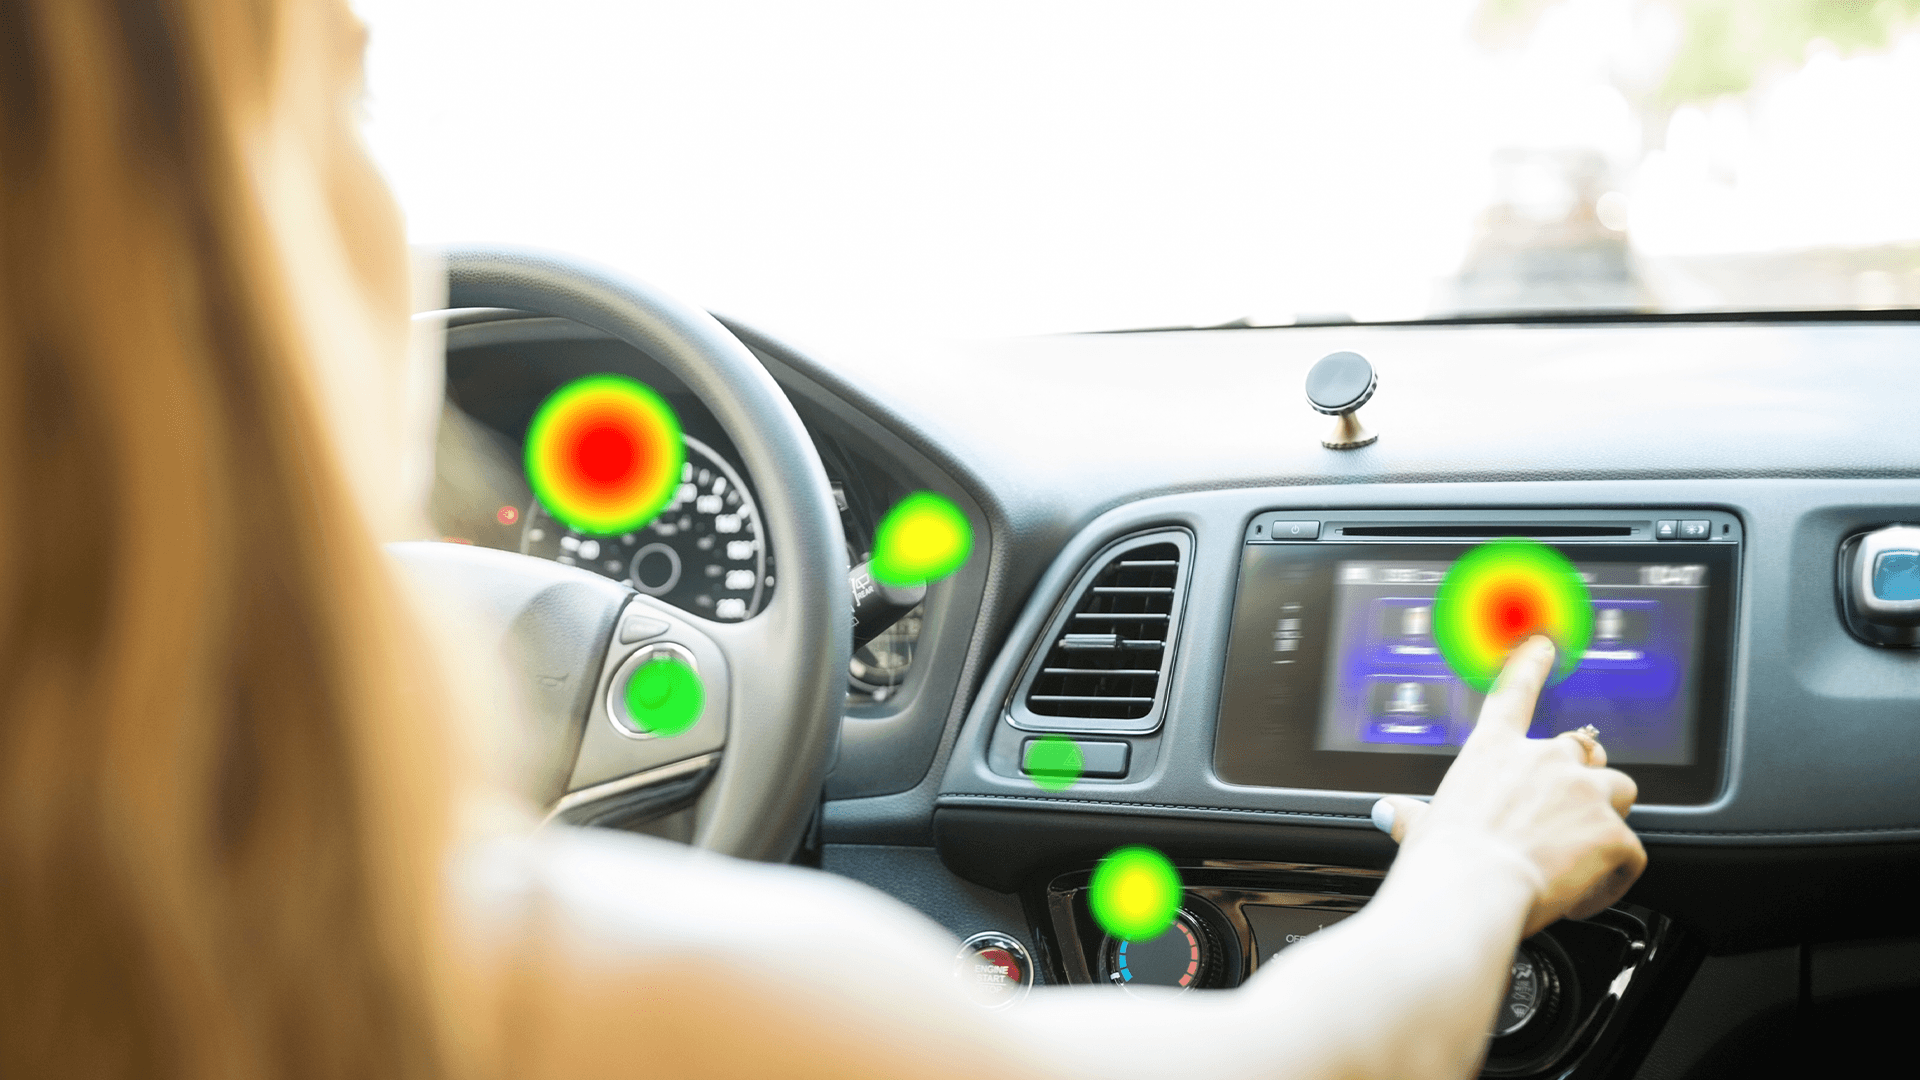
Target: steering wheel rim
column 787, row 665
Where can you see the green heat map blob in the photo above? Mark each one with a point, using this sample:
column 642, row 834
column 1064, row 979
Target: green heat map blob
column 1499, row 594
column 1134, row 894
column 664, row 696
column 604, row 454
column 1054, row 762
column 924, row 538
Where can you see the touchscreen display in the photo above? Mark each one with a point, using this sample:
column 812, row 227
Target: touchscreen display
column 1334, row 680
column 1388, row 690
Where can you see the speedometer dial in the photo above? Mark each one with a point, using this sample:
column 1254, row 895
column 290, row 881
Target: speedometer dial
column 704, row 553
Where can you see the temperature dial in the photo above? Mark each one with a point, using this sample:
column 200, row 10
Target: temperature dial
column 1184, row 957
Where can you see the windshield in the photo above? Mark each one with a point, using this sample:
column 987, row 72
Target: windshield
column 999, row 167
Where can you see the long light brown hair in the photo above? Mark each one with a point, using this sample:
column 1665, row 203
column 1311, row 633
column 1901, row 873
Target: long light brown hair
column 220, row 804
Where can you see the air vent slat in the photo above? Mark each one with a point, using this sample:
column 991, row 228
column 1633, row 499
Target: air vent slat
column 1114, row 675
column 1081, row 698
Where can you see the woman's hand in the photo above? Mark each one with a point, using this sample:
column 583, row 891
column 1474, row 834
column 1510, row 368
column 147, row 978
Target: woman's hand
column 1549, row 809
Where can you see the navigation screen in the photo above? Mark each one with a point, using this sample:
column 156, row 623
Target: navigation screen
column 1388, row 690
column 1334, row 681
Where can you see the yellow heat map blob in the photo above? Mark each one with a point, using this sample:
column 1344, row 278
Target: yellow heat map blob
column 1134, row 893
column 924, row 538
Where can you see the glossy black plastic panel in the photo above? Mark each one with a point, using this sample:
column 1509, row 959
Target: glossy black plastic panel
column 1601, row 970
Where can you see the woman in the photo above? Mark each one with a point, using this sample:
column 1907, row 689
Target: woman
column 228, row 845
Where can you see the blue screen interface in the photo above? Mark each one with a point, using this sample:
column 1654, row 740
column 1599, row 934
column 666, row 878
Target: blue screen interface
column 1387, row 689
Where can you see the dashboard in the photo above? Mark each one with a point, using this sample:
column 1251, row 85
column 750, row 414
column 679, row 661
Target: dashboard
column 1232, row 623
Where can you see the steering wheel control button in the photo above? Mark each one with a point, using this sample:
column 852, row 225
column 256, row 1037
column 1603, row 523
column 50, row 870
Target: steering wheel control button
column 1105, row 760
column 1879, row 583
column 1666, row 529
column 994, row 968
column 656, row 693
column 1696, row 530
column 1337, row 386
column 637, row 625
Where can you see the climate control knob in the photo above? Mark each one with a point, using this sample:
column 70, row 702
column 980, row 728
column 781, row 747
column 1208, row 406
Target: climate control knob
column 1186, row 956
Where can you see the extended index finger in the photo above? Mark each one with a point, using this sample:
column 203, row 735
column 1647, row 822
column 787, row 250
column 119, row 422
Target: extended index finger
column 1509, row 707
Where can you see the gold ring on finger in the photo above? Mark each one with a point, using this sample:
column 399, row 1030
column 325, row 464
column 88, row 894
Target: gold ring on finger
column 1589, row 739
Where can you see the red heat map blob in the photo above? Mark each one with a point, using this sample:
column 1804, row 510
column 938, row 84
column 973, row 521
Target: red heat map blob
column 1513, row 611
column 605, row 454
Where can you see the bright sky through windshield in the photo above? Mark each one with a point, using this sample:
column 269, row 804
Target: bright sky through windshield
column 994, row 167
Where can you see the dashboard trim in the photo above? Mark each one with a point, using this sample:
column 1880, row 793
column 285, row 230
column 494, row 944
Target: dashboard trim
column 1865, row 834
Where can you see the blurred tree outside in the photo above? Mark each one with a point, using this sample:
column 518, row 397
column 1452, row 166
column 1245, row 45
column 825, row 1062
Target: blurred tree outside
column 1725, row 46
column 1699, row 56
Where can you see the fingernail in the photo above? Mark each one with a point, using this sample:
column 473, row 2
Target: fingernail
column 1383, row 816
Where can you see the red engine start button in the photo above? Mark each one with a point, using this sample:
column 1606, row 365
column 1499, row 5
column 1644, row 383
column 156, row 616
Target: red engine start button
column 994, row 968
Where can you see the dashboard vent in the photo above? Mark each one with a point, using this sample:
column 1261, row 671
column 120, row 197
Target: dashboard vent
column 1107, row 660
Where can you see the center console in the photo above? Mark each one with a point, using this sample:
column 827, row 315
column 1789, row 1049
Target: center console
column 1245, row 672
column 1238, row 700
column 1566, row 983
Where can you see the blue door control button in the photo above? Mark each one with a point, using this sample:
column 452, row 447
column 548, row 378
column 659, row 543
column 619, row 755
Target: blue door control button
column 1896, row 575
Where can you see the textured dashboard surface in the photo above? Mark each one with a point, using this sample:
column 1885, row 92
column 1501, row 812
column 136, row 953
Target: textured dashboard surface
column 1080, row 422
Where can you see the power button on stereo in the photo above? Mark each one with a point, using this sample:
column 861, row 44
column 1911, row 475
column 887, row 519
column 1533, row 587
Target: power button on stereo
column 1294, row 530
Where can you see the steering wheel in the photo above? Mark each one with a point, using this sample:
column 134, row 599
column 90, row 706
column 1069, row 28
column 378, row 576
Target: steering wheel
column 774, row 685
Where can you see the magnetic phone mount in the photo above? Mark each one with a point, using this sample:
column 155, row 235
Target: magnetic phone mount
column 1879, row 583
column 1337, row 386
